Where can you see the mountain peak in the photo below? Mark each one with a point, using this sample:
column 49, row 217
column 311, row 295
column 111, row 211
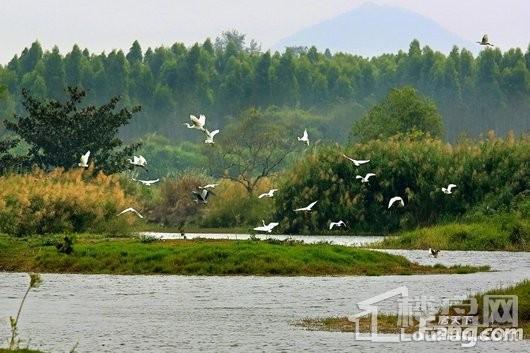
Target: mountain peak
column 373, row 29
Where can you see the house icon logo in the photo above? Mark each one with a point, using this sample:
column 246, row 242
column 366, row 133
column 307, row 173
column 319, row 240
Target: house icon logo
column 370, row 308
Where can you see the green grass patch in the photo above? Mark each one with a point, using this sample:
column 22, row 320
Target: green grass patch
column 497, row 234
column 96, row 254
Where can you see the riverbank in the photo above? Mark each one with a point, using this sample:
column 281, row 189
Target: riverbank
column 127, row 256
column 478, row 236
column 389, row 323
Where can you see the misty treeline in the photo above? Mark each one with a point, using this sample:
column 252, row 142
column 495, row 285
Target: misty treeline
column 224, row 77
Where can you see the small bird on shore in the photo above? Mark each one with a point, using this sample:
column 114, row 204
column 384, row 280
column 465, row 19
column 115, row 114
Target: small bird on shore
column 138, row 161
column 307, row 208
column 210, row 136
column 433, row 253
column 130, row 209
column 396, row 199
column 266, row 228
column 447, row 190
column 84, row 160
column 304, row 138
column 337, row 224
column 356, row 162
column 197, row 123
column 365, row 178
column 202, row 195
column 270, row 193
column 485, row 41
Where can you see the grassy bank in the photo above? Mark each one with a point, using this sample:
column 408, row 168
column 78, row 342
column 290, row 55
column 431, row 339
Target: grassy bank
column 94, row 254
column 388, row 323
column 484, row 236
column 5, row 350
column 150, row 227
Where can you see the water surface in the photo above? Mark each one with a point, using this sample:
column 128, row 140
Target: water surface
column 348, row 240
column 106, row 313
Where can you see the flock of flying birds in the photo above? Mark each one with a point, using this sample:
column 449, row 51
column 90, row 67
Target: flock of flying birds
column 203, row 192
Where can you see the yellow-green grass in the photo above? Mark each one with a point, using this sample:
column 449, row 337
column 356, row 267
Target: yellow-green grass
column 21, row 350
column 485, row 236
column 96, row 254
column 388, row 323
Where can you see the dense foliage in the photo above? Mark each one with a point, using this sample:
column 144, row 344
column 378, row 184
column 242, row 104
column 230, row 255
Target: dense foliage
column 402, row 111
column 222, row 79
column 167, row 157
column 58, row 133
column 491, row 176
column 59, row 201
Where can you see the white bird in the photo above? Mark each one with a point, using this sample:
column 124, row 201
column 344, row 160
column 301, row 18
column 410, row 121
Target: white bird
column 130, row 209
column 202, row 195
column 138, row 162
column 337, row 224
column 210, row 135
column 485, row 41
column 365, row 179
column 268, row 194
column 197, row 123
column 307, row 208
column 448, row 189
column 148, row 182
column 395, row 199
column 84, row 160
column 208, row 186
column 433, row 253
column 304, row 138
column 355, row 161
column 266, row 228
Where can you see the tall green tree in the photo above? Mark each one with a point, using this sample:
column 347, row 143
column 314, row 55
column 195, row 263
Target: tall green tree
column 73, row 66
column 403, row 110
column 135, row 53
column 58, row 133
column 54, row 74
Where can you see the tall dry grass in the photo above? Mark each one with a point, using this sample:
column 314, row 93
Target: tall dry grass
column 60, row 201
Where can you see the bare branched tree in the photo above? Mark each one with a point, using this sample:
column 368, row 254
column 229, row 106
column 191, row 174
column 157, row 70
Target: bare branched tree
column 251, row 148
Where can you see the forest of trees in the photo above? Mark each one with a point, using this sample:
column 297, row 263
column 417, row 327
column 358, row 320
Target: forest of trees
column 224, row 77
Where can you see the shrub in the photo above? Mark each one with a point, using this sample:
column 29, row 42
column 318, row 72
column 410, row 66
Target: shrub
column 232, row 206
column 489, row 175
column 176, row 205
column 59, row 201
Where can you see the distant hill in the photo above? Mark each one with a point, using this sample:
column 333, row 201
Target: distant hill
column 372, row 30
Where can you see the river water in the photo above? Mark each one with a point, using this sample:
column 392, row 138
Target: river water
column 104, row 313
column 308, row 239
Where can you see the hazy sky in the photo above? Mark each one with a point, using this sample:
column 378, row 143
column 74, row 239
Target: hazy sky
column 108, row 24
